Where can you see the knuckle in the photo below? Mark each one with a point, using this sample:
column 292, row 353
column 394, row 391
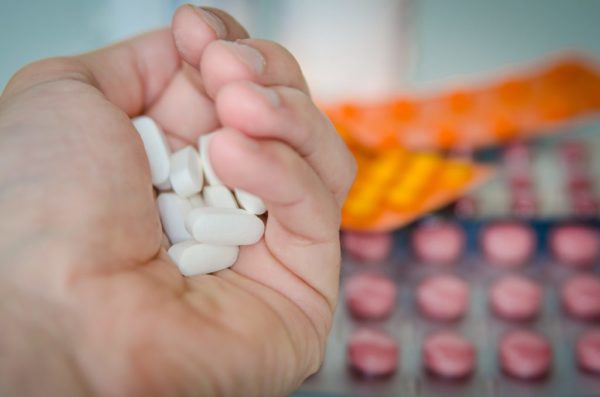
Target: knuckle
column 279, row 50
column 47, row 70
column 292, row 71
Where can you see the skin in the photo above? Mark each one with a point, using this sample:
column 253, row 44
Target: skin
column 90, row 303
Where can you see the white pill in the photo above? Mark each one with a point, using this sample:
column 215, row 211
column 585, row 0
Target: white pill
column 251, row 203
column 186, row 172
column 163, row 187
column 194, row 258
column 197, row 201
column 218, row 197
column 209, row 173
column 173, row 211
column 157, row 149
column 224, row 226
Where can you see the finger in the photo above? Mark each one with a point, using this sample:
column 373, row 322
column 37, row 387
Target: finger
column 289, row 115
column 261, row 61
column 303, row 219
column 131, row 74
column 183, row 109
column 192, row 37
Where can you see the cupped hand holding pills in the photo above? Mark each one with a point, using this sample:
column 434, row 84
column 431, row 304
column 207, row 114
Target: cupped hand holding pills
column 206, row 231
column 85, row 274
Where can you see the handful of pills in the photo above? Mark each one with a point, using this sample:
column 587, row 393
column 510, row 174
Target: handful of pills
column 203, row 219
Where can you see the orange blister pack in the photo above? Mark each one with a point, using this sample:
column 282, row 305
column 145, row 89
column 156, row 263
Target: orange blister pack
column 523, row 105
column 394, row 187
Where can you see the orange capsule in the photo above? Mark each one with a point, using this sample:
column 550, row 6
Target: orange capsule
column 386, row 167
column 503, row 126
column 401, row 198
column 512, row 93
column 459, row 101
column 417, row 175
column 447, row 135
column 349, row 110
column 553, row 105
column 403, row 110
column 363, row 203
column 455, row 175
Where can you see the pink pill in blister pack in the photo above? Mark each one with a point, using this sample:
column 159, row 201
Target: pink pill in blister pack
column 515, row 298
column 525, row 354
column 443, row 297
column 370, row 296
column 581, row 296
column 449, row 355
column 438, row 242
column 508, row 243
column 517, row 156
column 573, row 152
column 588, row 350
column 584, row 203
column 575, row 245
column 372, row 353
column 367, row 247
column 524, row 204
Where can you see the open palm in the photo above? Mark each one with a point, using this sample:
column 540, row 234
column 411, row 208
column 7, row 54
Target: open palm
column 81, row 249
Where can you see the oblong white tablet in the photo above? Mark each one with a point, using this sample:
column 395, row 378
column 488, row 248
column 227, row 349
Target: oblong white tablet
column 163, row 187
column 224, row 226
column 251, row 203
column 197, row 201
column 193, row 258
column 186, row 172
column 157, row 150
column 209, row 173
column 173, row 210
column 218, row 196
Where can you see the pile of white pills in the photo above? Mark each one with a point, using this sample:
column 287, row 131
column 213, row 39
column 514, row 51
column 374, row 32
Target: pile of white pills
column 203, row 219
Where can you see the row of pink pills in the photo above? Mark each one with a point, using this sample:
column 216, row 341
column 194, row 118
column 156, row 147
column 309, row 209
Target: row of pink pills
column 522, row 354
column 446, row 297
column 578, row 180
column 508, row 243
column 518, row 165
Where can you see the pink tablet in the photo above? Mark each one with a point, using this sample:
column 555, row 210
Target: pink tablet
column 372, row 353
column 438, row 242
column 443, row 297
column 588, row 350
column 575, row 245
column 367, row 247
column 448, row 355
column 516, row 298
column 581, row 296
column 525, row 354
column 370, row 296
column 508, row 243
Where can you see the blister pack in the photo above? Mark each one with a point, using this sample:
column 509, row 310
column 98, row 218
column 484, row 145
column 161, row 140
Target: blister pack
column 496, row 295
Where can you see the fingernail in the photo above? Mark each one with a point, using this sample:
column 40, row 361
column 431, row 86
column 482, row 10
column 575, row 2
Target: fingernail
column 213, row 21
column 250, row 56
column 268, row 94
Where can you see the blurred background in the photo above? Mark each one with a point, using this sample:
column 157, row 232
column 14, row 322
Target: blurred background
column 347, row 47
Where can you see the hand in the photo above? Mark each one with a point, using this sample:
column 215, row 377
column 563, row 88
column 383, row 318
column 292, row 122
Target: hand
column 89, row 301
